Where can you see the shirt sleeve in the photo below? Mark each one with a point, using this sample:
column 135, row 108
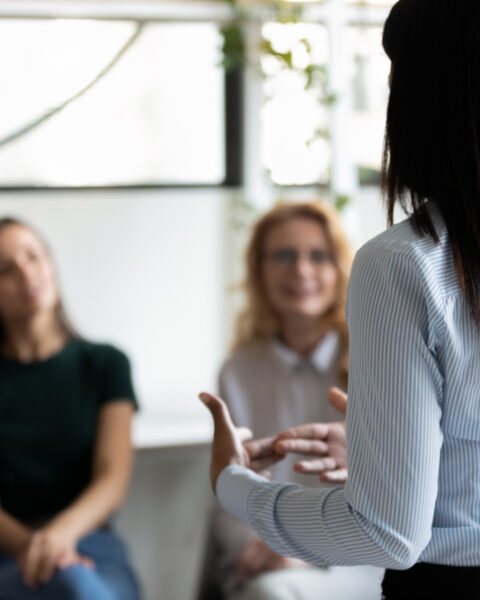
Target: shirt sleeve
column 115, row 378
column 384, row 514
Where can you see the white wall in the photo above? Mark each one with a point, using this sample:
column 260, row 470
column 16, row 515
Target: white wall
column 143, row 270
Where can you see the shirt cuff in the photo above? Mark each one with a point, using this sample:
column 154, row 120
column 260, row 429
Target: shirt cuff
column 233, row 488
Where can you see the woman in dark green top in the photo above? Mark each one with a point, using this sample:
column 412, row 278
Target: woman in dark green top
column 65, row 454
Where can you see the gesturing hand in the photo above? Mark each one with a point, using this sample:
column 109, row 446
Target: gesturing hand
column 338, row 399
column 49, row 549
column 227, row 447
column 325, row 440
column 262, row 454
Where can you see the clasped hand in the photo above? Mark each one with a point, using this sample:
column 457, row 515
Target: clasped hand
column 48, row 549
column 326, row 441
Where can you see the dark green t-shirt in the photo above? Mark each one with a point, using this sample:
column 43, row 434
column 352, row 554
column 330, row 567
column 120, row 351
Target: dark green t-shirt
column 48, row 422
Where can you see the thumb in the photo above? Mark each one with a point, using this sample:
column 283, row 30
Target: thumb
column 338, row 399
column 226, row 447
column 245, row 434
column 218, row 409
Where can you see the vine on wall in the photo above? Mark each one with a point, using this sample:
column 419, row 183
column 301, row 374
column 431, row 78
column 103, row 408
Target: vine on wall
column 313, row 74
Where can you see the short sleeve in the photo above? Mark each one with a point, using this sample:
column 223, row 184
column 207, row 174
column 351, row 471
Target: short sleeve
column 115, row 377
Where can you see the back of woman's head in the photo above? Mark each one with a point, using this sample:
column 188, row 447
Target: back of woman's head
column 432, row 145
column 258, row 321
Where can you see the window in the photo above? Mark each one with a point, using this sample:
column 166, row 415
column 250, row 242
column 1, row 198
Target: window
column 368, row 70
column 331, row 137
column 295, row 144
column 155, row 118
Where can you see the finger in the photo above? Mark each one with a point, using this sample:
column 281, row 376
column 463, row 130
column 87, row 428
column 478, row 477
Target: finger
column 73, row 558
column 309, row 431
column 315, row 467
column 263, row 463
column 338, row 399
column 218, row 409
column 245, row 434
column 46, row 567
column 31, row 564
column 67, row 561
column 307, row 447
column 337, row 476
column 261, row 448
column 226, row 448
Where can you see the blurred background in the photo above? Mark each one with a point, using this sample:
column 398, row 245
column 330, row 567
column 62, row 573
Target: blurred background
column 143, row 138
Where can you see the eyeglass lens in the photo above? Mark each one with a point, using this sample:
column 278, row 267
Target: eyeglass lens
column 290, row 256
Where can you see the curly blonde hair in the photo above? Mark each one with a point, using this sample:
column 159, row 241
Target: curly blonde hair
column 258, row 321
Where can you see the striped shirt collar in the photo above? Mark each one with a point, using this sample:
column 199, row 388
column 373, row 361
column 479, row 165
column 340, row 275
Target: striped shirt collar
column 322, row 358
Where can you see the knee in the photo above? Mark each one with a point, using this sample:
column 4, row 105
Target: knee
column 11, row 584
column 79, row 583
column 74, row 583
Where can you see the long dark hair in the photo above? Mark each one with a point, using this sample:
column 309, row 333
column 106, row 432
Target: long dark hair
column 432, row 142
column 60, row 313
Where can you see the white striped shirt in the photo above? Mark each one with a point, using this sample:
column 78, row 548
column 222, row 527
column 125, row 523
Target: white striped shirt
column 413, row 424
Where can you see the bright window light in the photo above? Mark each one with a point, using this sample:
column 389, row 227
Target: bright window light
column 368, row 70
column 292, row 150
column 157, row 117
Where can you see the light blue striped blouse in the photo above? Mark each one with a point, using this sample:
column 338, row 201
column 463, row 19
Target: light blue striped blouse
column 413, row 424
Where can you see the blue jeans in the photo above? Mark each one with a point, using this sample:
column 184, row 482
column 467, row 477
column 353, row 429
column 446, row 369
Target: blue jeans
column 111, row 579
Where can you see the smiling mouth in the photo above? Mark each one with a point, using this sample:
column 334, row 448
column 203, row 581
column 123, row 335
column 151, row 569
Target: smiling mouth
column 301, row 294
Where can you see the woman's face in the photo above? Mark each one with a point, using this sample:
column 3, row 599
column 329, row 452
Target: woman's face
column 27, row 279
column 299, row 274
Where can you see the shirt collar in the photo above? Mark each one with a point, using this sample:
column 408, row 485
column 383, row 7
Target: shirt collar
column 321, row 358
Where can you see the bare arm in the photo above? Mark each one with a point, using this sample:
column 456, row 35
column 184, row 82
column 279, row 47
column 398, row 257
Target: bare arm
column 14, row 536
column 54, row 546
column 112, row 465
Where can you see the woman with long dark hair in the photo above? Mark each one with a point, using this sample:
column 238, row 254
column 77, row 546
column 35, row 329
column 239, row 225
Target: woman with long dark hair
column 66, row 406
column 413, row 420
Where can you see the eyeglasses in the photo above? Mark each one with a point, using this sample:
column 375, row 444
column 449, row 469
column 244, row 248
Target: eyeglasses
column 288, row 257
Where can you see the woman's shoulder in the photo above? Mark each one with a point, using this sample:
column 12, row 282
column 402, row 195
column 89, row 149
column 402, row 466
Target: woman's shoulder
column 404, row 238
column 399, row 236
column 108, row 367
column 101, row 353
column 402, row 248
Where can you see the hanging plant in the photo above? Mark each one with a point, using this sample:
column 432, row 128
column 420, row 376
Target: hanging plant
column 313, row 74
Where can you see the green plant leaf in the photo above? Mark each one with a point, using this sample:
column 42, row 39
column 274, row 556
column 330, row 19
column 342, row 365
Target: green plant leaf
column 342, row 201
